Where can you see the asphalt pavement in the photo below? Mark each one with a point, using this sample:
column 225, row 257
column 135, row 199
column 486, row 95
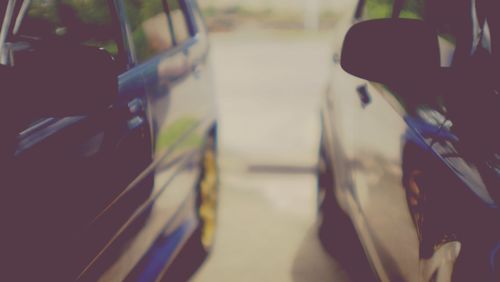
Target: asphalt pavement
column 269, row 86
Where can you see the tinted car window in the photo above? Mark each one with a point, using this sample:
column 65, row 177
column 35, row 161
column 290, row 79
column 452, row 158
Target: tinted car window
column 149, row 27
column 86, row 22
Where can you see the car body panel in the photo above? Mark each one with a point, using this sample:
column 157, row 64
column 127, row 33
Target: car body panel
column 376, row 141
column 112, row 188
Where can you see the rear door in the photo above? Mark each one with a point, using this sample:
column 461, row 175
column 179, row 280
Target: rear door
column 66, row 171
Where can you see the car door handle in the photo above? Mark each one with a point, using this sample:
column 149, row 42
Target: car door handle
column 136, row 106
column 364, row 95
column 136, row 122
column 136, row 109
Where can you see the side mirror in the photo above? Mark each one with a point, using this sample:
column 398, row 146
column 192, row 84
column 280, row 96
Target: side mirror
column 391, row 51
column 59, row 79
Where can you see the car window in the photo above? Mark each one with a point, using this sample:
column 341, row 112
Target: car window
column 377, row 9
column 178, row 15
column 87, row 22
column 149, row 27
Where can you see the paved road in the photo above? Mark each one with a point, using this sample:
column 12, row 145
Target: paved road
column 269, row 87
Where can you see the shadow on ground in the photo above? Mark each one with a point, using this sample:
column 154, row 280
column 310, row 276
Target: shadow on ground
column 187, row 263
column 344, row 261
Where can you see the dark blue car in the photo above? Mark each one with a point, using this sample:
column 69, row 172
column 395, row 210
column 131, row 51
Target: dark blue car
column 410, row 152
column 108, row 139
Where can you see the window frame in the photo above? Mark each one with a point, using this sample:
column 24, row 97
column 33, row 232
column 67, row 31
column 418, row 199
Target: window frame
column 193, row 30
column 187, row 7
column 186, row 10
column 129, row 38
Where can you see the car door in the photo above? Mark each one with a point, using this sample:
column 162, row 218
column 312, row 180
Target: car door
column 367, row 131
column 379, row 130
column 168, row 49
column 66, row 171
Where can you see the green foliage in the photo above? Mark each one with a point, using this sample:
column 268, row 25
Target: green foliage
column 38, row 10
column 142, row 48
column 377, row 9
column 140, row 10
column 88, row 21
column 93, row 11
column 95, row 14
column 413, row 9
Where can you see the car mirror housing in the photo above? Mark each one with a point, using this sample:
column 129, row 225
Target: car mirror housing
column 391, row 51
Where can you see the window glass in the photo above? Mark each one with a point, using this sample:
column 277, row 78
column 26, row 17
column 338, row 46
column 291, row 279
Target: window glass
column 412, row 9
column 149, row 27
column 87, row 22
column 179, row 20
column 377, row 9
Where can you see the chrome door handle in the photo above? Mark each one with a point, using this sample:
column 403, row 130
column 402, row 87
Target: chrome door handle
column 135, row 122
column 136, row 106
column 136, row 109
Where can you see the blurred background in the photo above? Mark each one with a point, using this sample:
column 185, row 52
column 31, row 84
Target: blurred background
column 271, row 61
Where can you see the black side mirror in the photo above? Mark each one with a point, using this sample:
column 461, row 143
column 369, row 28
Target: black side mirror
column 391, row 51
column 59, row 79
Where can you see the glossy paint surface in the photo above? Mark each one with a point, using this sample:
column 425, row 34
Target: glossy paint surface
column 421, row 198
column 111, row 196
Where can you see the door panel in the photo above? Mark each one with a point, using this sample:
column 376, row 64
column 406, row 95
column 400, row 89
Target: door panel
column 375, row 126
column 370, row 138
column 121, row 217
column 380, row 135
column 337, row 118
column 68, row 172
